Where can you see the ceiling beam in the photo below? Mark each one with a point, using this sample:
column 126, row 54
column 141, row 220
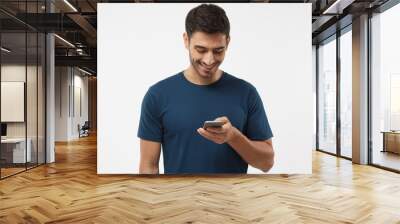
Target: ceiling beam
column 337, row 7
column 84, row 61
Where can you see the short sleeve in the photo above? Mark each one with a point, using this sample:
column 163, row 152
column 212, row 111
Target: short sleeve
column 257, row 126
column 150, row 126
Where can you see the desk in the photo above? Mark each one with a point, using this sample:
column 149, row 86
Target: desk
column 15, row 148
column 391, row 141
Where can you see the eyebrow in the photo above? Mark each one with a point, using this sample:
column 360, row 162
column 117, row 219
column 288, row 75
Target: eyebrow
column 201, row 47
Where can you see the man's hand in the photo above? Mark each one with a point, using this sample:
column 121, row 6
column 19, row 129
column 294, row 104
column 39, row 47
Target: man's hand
column 259, row 154
column 219, row 135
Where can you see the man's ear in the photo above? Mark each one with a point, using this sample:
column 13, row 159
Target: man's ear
column 228, row 39
column 186, row 40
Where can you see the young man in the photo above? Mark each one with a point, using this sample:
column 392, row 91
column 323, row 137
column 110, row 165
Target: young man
column 174, row 109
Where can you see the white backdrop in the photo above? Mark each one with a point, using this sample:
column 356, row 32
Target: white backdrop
column 140, row 44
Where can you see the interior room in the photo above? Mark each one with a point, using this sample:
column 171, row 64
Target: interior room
column 50, row 152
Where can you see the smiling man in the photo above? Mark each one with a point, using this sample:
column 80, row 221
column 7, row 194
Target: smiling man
column 174, row 110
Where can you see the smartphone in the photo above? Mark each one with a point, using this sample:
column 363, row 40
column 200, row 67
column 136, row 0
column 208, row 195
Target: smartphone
column 216, row 124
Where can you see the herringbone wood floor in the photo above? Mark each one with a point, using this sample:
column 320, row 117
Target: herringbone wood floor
column 70, row 191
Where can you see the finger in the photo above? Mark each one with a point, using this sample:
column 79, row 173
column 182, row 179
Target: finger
column 212, row 130
column 226, row 126
column 216, row 130
column 208, row 135
column 205, row 133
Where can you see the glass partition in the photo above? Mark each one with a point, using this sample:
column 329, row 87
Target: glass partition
column 41, row 111
column 346, row 94
column 22, row 77
column 13, row 103
column 385, row 89
column 32, row 95
column 327, row 96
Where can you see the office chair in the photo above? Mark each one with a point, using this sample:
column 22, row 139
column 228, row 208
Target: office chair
column 84, row 130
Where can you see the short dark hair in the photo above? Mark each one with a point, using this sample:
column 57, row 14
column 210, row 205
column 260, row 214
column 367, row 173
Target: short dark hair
column 208, row 18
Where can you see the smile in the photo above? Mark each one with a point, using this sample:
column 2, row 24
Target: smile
column 207, row 68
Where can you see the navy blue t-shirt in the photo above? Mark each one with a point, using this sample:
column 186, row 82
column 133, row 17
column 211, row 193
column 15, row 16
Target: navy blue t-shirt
column 174, row 108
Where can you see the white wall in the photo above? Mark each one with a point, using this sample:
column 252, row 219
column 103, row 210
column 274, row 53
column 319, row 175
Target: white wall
column 12, row 101
column 270, row 47
column 61, row 103
column 314, row 88
column 68, row 82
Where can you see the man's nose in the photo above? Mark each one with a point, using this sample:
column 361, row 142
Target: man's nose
column 209, row 58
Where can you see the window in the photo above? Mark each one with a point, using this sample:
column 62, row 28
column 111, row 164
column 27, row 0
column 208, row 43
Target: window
column 385, row 89
column 327, row 96
column 346, row 93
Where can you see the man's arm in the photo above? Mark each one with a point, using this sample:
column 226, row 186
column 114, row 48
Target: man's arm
column 149, row 157
column 259, row 154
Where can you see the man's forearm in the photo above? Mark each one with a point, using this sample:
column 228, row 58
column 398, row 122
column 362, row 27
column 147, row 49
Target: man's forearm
column 259, row 154
column 148, row 169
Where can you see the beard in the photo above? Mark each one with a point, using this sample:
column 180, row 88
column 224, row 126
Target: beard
column 205, row 72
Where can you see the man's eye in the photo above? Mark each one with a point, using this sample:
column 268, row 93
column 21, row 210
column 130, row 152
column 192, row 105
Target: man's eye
column 201, row 51
column 218, row 52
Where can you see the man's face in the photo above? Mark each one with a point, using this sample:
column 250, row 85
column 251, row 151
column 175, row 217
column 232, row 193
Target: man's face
column 206, row 52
